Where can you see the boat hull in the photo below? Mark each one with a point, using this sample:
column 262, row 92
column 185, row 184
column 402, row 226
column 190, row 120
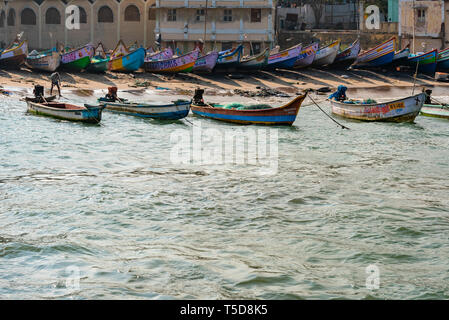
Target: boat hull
column 180, row 64
column 81, row 114
column 306, row 56
column 284, row 115
column 435, row 111
column 48, row 62
column 98, row 65
column 402, row 110
column 378, row 56
column 206, row 63
column 326, row 55
column 256, row 62
column 427, row 62
column 133, row 61
column 173, row 111
column 15, row 57
column 229, row 59
column 348, row 56
column 284, row 59
column 78, row 59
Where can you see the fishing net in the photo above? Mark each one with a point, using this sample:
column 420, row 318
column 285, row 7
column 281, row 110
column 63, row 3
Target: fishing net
column 239, row 106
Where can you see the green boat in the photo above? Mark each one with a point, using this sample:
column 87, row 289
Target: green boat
column 435, row 110
column 78, row 59
column 98, row 65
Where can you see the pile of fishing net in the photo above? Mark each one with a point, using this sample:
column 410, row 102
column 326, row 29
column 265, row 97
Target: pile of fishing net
column 366, row 101
column 239, row 106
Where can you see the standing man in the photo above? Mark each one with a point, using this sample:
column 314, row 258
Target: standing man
column 55, row 81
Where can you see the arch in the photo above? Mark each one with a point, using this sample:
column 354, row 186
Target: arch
column 132, row 13
column 83, row 15
column 151, row 13
column 105, row 15
column 52, row 16
column 11, row 18
column 28, row 17
column 2, row 19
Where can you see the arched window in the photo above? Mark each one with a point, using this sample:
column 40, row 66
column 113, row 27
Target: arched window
column 132, row 13
column 83, row 15
column 105, row 14
column 152, row 14
column 28, row 17
column 11, row 17
column 2, row 19
column 52, row 16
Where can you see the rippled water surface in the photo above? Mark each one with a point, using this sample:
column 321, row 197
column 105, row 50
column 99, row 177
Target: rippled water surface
column 109, row 201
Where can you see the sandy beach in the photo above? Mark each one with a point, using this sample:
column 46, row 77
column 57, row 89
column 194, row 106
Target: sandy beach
column 243, row 84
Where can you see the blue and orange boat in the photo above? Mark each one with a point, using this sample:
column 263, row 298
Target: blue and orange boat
column 378, row 56
column 426, row 62
column 124, row 60
column 248, row 114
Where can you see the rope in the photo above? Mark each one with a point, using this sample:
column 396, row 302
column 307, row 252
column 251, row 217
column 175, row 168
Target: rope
column 342, row 126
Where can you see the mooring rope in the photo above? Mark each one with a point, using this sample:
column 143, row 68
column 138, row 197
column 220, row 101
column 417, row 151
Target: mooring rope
column 342, row 126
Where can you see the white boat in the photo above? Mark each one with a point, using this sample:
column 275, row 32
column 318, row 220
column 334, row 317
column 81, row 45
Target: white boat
column 45, row 61
column 65, row 111
column 327, row 55
column 401, row 110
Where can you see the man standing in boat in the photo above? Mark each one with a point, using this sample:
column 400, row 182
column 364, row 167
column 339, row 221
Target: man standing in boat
column 55, row 81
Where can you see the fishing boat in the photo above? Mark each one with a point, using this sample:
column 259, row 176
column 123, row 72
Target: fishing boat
column 435, row 110
column 426, row 62
column 40, row 99
column 443, row 60
column 99, row 62
column 172, row 111
column 378, row 56
column 284, row 59
column 401, row 110
column 46, row 61
column 65, row 111
column 206, row 63
column 401, row 57
column 255, row 62
column 124, row 60
column 306, row 56
column 348, row 56
column 77, row 59
column 228, row 59
column 183, row 63
column 14, row 55
column 167, row 53
column 248, row 114
column 327, row 54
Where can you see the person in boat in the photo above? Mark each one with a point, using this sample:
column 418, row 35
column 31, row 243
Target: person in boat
column 55, row 81
column 198, row 97
column 428, row 93
column 111, row 96
column 340, row 94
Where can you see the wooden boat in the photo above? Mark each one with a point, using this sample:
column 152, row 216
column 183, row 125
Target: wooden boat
column 183, row 63
column 46, row 61
column 306, row 56
column 348, row 56
column 401, row 57
column 229, row 58
column 124, row 60
column 284, row 59
column 37, row 100
column 378, row 56
column 327, row 54
column 206, row 63
column 435, row 110
column 258, row 114
column 427, row 62
column 255, row 62
column 172, row 111
column 99, row 62
column 14, row 55
column 401, row 110
column 65, row 111
column 443, row 60
column 77, row 59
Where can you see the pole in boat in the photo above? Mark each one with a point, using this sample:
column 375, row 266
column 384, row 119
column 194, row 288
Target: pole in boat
column 414, row 76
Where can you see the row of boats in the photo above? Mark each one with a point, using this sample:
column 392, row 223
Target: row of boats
column 400, row 110
column 129, row 59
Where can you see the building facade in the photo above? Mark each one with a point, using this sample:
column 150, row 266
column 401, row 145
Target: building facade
column 219, row 24
column 43, row 22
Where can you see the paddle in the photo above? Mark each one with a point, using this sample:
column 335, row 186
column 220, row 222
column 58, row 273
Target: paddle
column 414, row 77
column 342, row 126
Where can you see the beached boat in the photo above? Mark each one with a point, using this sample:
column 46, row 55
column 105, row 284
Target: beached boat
column 99, row 62
column 14, row 55
column 426, row 62
column 167, row 53
column 183, row 63
column 327, row 54
column 348, row 56
column 229, row 58
column 443, row 60
column 435, row 110
column 46, row 61
column 401, row 110
column 401, row 57
column 306, row 56
column 206, row 63
column 255, row 62
column 65, row 111
column 172, row 111
column 378, row 56
column 248, row 114
column 124, row 60
column 77, row 59
column 284, row 59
